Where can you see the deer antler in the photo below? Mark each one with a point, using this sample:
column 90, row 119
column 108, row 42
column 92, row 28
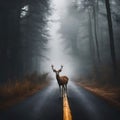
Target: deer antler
column 53, row 68
column 61, row 68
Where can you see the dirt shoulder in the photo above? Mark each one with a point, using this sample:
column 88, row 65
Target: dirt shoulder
column 110, row 94
column 8, row 102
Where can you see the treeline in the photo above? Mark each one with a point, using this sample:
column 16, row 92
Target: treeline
column 22, row 36
column 92, row 35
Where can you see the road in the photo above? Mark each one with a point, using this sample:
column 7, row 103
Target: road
column 48, row 105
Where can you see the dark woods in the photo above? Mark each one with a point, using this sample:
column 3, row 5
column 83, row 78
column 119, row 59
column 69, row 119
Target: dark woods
column 22, row 36
column 91, row 35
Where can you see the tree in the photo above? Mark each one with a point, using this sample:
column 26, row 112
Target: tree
column 21, row 38
column 110, row 27
column 95, row 10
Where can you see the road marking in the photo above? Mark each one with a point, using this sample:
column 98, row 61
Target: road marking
column 66, row 109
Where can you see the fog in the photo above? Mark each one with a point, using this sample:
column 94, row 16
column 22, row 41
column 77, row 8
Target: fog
column 65, row 29
column 58, row 53
column 72, row 33
column 75, row 39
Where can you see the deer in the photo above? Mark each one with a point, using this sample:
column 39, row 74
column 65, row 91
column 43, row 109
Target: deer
column 62, row 80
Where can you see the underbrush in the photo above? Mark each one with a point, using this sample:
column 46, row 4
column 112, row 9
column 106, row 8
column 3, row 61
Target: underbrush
column 107, row 91
column 30, row 84
column 103, row 82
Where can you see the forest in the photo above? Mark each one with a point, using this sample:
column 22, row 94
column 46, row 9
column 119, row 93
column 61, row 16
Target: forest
column 90, row 32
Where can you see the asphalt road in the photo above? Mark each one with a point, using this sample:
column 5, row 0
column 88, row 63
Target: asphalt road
column 47, row 105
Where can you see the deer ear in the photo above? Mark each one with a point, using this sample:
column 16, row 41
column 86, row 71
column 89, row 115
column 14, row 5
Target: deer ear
column 54, row 70
column 60, row 70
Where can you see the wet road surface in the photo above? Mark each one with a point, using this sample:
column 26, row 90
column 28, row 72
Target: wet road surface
column 48, row 105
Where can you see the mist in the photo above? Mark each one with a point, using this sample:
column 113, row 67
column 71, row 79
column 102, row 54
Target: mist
column 51, row 50
column 72, row 33
column 65, row 29
column 75, row 39
column 58, row 53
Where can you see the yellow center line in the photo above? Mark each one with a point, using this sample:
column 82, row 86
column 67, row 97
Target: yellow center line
column 66, row 109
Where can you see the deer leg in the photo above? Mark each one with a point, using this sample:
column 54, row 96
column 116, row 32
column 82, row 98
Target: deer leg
column 66, row 89
column 62, row 90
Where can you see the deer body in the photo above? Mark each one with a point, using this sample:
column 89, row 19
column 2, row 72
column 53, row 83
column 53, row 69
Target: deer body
column 62, row 80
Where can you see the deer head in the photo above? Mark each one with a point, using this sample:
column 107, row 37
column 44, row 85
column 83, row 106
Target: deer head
column 57, row 71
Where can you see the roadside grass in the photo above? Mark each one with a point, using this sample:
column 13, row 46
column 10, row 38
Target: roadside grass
column 107, row 92
column 14, row 91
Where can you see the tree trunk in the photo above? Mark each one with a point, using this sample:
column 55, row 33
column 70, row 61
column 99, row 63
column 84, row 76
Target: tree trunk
column 112, row 46
column 95, row 33
column 92, row 47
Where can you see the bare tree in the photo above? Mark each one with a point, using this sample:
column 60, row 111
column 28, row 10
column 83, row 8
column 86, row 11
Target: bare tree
column 95, row 8
column 112, row 45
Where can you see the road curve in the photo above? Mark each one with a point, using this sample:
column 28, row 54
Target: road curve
column 48, row 105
